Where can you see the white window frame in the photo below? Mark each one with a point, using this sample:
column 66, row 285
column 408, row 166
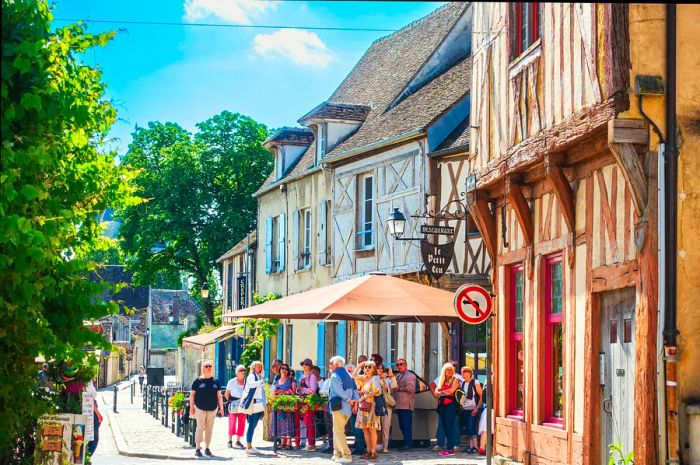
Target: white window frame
column 275, row 244
column 321, row 137
column 365, row 208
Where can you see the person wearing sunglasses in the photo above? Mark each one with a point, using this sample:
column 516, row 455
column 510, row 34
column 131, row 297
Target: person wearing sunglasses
column 205, row 396
column 405, row 396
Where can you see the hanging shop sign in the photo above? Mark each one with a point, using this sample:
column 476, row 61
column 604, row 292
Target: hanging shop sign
column 473, row 304
column 441, row 230
column 242, row 291
column 436, row 257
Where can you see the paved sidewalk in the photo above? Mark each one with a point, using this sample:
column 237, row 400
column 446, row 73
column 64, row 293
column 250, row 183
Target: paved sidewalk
column 137, row 434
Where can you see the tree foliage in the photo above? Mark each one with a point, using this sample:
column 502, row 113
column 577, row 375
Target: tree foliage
column 199, row 189
column 54, row 182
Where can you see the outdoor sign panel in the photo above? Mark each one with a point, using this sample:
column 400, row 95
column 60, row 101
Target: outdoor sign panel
column 442, row 230
column 61, row 439
column 89, row 396
column 436, row 257
column 242, row 287
column 473, row 304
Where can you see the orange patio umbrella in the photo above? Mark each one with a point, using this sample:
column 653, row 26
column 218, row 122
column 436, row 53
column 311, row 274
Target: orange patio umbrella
column 373, row 297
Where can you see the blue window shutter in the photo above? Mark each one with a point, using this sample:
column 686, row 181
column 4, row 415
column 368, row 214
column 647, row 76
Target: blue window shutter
column 221, row 362
column 340, row 338
column 266, row 358
column 280, row 342
column 295, row 239
column 268, row 245
column 321, row 347
column 282, row 249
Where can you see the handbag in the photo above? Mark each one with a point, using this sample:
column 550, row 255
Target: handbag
column 365, row 406
column 336, row 403
column 379, row 406
column 389, row 398
column 247, row 401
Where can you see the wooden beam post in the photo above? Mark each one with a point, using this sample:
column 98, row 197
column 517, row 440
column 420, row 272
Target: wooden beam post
column 562, row 190
column 514, row 194
column 485, row 222
column 623, row 135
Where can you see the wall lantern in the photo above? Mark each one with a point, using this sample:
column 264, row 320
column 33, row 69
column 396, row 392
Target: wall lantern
column 205, row 291
column 397, row 224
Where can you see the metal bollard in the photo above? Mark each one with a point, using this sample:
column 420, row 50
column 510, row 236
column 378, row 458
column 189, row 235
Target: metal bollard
column 274, row 431
column 115, row 400
column 165, row 410
column 144, row 395
column 133, row 391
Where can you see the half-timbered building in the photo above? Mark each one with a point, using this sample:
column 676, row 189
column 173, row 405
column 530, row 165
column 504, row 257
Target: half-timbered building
column 565, row 199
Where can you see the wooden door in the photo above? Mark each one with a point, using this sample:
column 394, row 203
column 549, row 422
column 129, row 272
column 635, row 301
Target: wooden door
column 617, row 370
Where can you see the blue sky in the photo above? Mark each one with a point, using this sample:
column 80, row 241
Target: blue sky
column 186, row 74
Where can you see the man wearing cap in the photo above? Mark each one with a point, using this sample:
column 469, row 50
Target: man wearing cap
column 308, row 384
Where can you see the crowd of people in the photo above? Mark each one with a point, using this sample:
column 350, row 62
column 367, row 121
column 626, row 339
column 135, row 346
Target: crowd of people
column 361, row 398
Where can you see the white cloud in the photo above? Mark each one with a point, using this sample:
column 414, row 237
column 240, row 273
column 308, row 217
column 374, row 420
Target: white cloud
column 301, row 47
column 237, row 11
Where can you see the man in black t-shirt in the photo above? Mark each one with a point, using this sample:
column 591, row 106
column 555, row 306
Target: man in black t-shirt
column 204, row 399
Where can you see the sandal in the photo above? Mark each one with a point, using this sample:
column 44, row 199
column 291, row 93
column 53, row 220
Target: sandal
column 366, row 455
column 373, row 456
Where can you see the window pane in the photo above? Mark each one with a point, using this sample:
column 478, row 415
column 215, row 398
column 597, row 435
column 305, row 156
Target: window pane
column 557, row 370
column 519, row 375
column 556, row 304
column 518, row 302
column 526, row 26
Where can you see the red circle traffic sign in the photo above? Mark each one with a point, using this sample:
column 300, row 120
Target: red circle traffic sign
column 473, row 304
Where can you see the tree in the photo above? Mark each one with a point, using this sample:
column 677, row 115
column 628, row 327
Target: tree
column 54, row 182
column 256, row 331
column 199, row 189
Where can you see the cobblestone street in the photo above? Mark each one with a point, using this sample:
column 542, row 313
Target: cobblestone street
column 131, row 436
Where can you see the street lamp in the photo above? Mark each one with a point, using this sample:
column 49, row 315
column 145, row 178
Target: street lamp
column 397, row 223
column 205, row 291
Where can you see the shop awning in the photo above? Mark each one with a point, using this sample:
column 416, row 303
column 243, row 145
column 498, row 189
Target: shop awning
column 373, row 297
column 200, row 341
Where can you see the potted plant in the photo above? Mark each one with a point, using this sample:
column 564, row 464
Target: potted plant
column 177, row 402
column 285, row 402
column 313, row 402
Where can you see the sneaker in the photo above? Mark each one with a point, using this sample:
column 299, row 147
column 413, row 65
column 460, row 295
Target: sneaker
column 482, row 451
column 207, row 452
column 198, row 453
column 311, row 449
column 252, row 450
column 457, row 449
column 230, row 444
column 238, row 445
column 437, row 447
column 447, row 453
column 344, row 460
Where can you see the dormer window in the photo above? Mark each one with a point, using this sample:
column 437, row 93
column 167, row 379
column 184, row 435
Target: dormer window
column 279, row 164
column 321, row 138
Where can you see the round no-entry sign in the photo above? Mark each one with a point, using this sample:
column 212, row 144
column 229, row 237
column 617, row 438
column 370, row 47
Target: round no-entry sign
column 473, row 304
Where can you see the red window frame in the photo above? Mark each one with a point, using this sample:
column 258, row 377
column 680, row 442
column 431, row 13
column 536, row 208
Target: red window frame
column 551, row 319
column 524, row 15
column 515, row 338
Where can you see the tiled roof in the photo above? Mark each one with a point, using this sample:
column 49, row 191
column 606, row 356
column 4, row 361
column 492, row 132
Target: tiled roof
column 238, row 248
column 337, row 110
column 459, row 137
column 416, row 112
column 166, row 302
column 305, row 163
column 291, row 136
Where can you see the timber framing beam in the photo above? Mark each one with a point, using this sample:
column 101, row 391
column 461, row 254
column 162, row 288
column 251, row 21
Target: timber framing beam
column 562, row 189
column 485, row 222
column 623, row 135
column 514, row 194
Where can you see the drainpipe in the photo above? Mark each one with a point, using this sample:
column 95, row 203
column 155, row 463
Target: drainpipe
column 671, row 217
